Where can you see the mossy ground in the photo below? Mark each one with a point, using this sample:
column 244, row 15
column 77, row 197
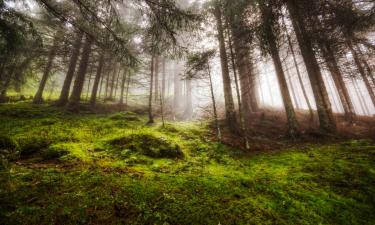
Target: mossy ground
column 70, row 172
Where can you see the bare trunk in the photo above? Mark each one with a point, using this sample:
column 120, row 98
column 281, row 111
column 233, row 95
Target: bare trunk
column 127, row 89
column 327, row 122
column 123, row 80
column 361, row 71
column 218, row 132
column 228, row 97
column 189, row 100
column 288, row 105
column 96, row 82
column 163, row 81
column 304, row 92
column 80, row 78
column 150, row 116
column 339, row 81
column 38, row 98
column 156, row 78
column 360, row 97
column 64, row 95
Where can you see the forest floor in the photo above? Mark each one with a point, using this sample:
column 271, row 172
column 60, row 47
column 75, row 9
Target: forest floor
column 111, row 168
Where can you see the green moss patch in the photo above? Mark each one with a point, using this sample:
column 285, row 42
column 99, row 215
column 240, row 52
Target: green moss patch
column 148, row 144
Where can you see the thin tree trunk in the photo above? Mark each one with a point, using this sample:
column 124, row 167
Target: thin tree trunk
column 339, row 81
column 123, row 80
column 232, row 55
column 97, row 79
column 228, row 97
column 38, row 99
column 291, row 86
column 80, row 78
column 163, row 81
column 218, row 132
column 326, row 119
column 156, row 78
column 362, row 101
column 304, row 92
column 127, row 89
column 150, row 116
column 177, row 93
column 293, row 127
column 65, row 90
column 117, row 83
column 361, row 71
column 189, row 100
column 116, row 72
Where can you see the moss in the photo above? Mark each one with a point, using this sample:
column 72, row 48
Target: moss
column 148, row 144
column 9, row 148
column 103, row 177
column 128, row 116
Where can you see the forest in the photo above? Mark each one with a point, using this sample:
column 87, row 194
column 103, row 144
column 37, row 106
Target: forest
column 177, row 112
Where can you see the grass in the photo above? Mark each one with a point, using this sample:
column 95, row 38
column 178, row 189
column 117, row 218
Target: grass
column 74, row 174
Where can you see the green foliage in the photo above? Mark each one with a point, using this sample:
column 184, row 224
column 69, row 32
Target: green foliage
column 96, row 182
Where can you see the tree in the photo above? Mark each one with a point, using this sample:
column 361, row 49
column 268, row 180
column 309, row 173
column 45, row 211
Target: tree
column 198, row 66
column 80, row 77
column 64, row 95
column 326, row 120
column 98, row 76
column 270, row 45
column 38, row 98
column 228, row 97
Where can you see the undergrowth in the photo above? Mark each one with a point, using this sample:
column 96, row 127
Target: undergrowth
column 64, row 168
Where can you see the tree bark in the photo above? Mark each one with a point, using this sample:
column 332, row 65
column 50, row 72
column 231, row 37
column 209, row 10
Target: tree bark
column 338, row 80
column 81, row 73
column 156, row 78
column 218, row 132
column 326, row 119
column 38, row 98
column 123, row 80
column 97, row 79
column 361, row 71
column 64, row 95
column 228, row 97
column 189, row 100
column 150, row 115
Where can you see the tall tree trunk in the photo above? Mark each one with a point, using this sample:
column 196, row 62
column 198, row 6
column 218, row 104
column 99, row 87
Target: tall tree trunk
column 360, row 97
column 293, row 127
column 18, row 72
column 361, row 70
column 117, row 83
column 64, row 95
column 291, row 86
column 38, row 98
column 228, row 97
column 177, row 92
column 163, row 81
column 367, row 66
column 338, row 80
column 156, row 78
column 127, row 89
column 304, row 92
column 150, row 115
column 189, row 100
column 112, row 84
column 232, row 58
column 97, row 79
column 123, row 80
column 326, row 119
column 81, row 73
column 216, row 118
